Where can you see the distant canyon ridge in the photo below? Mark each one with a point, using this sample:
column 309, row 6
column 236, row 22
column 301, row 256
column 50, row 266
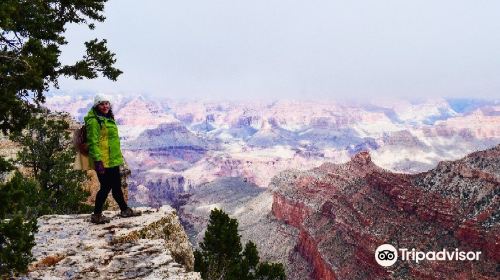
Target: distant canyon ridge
column 174, row 146
column 185, row 144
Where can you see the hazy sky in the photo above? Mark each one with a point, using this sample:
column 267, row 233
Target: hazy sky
column 298, row 49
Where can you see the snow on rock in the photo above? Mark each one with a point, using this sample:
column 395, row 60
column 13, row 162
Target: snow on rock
column 344, row 212
column 168, row 135
column 478, row 124
column 151, row 246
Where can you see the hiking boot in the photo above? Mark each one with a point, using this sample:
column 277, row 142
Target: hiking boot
column 129, row 213
column 99, row 219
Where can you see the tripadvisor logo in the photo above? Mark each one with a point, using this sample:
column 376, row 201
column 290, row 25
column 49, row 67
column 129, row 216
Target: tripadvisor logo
column 387, row 255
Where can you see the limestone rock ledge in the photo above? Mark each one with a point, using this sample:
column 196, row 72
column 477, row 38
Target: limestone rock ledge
column 151, row 246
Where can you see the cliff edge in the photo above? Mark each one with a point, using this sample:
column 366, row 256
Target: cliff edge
column 151, row 246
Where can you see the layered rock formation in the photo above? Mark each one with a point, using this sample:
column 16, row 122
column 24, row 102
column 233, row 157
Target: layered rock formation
column 151, row 246
column 344, row 212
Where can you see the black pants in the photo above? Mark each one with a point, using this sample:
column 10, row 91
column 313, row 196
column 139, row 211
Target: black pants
column 110, row 181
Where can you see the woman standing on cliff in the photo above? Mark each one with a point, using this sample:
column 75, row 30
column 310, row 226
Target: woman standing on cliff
column 106, row 158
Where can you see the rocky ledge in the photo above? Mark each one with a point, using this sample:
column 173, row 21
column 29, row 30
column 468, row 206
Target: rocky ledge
column 151, row 246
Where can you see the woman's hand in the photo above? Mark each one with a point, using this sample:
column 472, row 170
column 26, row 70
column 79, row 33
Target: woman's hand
column 99, row 167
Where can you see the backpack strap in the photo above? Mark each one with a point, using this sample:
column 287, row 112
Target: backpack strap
column 99, row 121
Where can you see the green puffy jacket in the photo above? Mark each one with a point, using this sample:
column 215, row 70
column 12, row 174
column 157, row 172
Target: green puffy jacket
column 103, row 140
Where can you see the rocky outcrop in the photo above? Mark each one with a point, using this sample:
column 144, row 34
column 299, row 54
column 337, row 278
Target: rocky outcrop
column 8, row 148
column 344, row 212
column 289, row 211
column 8, row 151
column 151, row 246
column 168, row 136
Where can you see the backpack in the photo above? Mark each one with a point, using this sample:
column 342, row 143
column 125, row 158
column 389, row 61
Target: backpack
column 80, row 139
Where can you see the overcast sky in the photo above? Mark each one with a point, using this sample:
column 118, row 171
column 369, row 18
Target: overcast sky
column 298, row 49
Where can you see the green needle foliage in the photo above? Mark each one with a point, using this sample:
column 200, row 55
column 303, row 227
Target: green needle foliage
column 31, row 37
column 16, row 241
column 221, row 255
column 17, row 224
column 47, row 152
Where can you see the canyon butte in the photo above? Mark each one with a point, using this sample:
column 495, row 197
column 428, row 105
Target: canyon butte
column 343, row 212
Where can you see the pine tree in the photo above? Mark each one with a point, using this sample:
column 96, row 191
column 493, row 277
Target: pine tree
column 31, row 36
column 16, row 241
column 221, row 255
column 47, row 152
column 17, row 223
column 221, row 246
column 268, row 271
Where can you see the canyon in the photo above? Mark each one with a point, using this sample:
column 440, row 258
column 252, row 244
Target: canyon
column 343, row 212
column 319, row 185
column 326, row 222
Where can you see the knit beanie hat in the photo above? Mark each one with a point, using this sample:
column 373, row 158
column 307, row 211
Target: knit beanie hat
column 99, row 98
